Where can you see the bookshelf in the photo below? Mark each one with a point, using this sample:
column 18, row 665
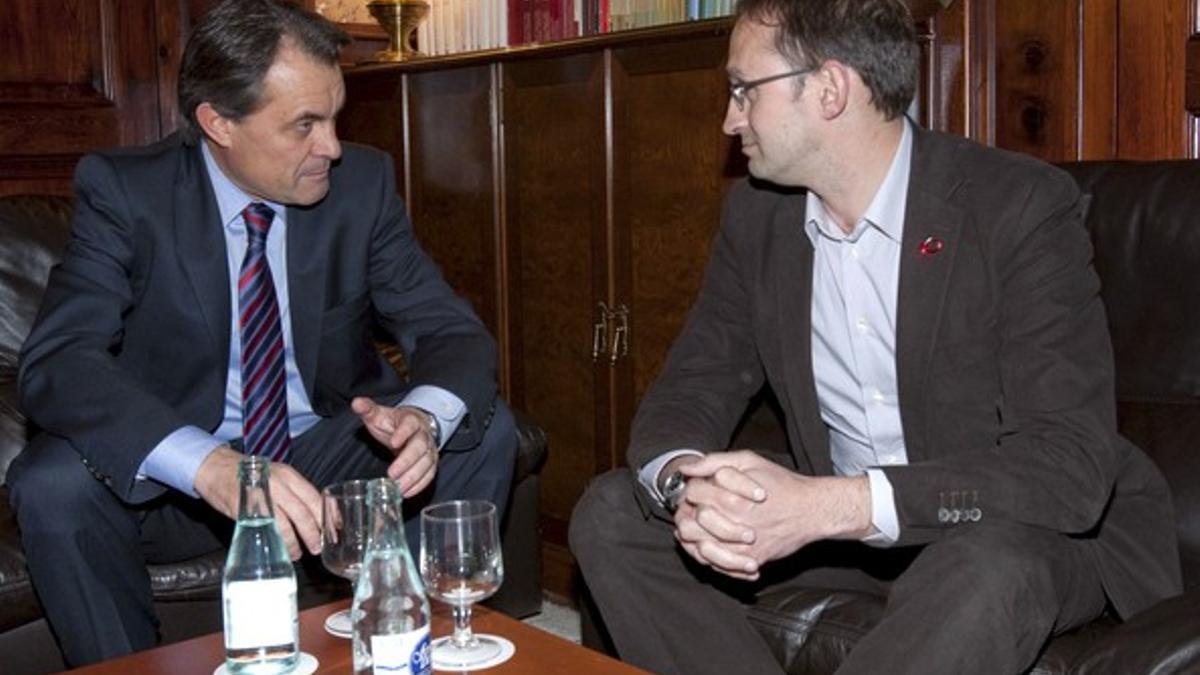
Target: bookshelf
column 463, row 26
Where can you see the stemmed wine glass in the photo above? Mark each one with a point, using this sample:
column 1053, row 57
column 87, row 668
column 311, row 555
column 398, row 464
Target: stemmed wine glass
column 343, row 539
column 461, row 563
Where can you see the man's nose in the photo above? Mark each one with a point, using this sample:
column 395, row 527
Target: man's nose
column 328, row 146
column 735, row 118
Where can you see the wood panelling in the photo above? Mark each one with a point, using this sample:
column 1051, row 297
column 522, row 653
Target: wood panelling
column 452, row 171
column 1036, row 68
column 671, row 164
column 555, row 190
column 1151, row 59
column 79, row 75
column 1097, row 77
column 1062, row 79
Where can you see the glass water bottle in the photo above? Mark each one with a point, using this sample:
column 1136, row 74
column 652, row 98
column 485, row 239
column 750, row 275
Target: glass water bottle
column 390, row 611
column 259, row 585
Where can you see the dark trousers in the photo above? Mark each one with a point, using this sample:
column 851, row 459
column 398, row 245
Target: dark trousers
column 984, row 599
column 87, row 550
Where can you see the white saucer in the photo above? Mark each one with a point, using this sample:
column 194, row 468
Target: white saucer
column 507, row 649
column 338, row 625
column 306, row 665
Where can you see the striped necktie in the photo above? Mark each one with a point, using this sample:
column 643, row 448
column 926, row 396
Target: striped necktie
column 264, row 391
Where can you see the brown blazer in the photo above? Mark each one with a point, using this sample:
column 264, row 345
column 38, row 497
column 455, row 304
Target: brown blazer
column 1003, row 361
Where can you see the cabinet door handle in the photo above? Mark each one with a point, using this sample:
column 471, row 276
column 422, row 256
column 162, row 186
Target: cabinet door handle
column 620, row 343
column 600, row 330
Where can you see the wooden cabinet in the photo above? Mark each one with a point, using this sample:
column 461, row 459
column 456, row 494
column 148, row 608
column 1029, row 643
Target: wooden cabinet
column 572, row 196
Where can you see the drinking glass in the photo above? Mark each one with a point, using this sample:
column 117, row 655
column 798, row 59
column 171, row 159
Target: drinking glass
column 461, row 563
column 343, row 539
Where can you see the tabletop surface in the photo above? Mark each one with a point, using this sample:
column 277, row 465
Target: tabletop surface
column 537, row 650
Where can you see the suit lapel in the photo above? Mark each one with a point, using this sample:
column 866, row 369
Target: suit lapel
column 932, row 231
column 201, row 248
column 794, row 260
column 306, row 247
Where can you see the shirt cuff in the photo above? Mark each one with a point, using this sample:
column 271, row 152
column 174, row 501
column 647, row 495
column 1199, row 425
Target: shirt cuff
column 648, row 476
column 445, row 407
column 177, row 458
column 883, row 510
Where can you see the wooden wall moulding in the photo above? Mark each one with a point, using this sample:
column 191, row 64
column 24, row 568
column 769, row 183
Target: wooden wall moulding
column 79, row 75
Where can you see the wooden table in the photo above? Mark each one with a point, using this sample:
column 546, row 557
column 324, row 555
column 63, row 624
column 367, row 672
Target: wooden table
column 537, row 651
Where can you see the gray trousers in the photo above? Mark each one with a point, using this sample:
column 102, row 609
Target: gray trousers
column 87, row 550
column 984, row 599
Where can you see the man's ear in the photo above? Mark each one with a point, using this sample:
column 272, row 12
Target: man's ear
column 834, row 80
column 213, row 124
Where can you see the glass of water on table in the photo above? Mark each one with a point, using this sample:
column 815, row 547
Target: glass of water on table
column 461, row 564
column 343, row 540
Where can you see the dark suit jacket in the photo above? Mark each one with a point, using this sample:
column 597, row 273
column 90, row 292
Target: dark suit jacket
column 132, row 340
column 1003, row 361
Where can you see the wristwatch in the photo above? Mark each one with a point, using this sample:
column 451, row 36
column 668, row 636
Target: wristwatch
column 672, row 491
column 432, row 426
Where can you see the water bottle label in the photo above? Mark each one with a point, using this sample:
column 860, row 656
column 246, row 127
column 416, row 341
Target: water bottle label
column 260, row 613
column 406, row 653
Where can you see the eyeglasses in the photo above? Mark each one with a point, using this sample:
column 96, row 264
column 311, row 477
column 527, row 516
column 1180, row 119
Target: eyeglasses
column 738, row 91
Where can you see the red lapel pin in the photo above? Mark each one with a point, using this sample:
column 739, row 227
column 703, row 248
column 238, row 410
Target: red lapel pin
column 931, row 246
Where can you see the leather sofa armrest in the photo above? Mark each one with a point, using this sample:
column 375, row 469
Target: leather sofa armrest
column 1162, row 640
column 532, row 450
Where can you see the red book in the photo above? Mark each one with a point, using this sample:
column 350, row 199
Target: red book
column 516, row 35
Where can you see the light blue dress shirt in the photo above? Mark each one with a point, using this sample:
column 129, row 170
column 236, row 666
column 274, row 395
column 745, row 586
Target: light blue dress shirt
column 177, row 458
column 856, row 278
column 855, row 284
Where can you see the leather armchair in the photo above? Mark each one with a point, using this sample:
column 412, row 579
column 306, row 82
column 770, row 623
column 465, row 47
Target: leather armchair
column 33, row 232
column 1145, row 225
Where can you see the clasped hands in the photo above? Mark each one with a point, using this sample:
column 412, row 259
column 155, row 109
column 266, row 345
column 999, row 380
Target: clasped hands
column 403, row 430
column 741, row 510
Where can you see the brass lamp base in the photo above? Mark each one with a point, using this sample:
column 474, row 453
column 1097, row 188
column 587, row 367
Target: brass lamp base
column 399, row 19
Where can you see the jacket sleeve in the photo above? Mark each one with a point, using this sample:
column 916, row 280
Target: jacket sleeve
column 70, row 382
column 444, row 342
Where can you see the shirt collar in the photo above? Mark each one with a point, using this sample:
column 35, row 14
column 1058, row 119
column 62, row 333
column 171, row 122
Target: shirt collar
column 886, row 210
column 231, row 199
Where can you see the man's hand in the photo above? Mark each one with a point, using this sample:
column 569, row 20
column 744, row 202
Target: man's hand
column 296, row 502
column 404, row 431
column 707, row 533
column 736, row 534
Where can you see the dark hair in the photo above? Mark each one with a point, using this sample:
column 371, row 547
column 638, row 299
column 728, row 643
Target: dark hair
column 874, row 37
column 234, row 45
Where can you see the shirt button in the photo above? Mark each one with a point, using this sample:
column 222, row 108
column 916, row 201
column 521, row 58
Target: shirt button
column 877, row 396
column 862, row 324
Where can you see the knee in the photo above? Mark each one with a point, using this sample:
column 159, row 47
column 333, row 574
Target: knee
column 601, row 515
column 1007, row 565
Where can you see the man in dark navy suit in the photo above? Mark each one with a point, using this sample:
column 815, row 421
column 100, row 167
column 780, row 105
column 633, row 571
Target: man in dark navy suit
column 138, row 368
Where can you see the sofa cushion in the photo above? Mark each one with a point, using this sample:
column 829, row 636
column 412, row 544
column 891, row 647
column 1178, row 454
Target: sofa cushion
column 1144, row 230
column 19, row 604
column 33, row 234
